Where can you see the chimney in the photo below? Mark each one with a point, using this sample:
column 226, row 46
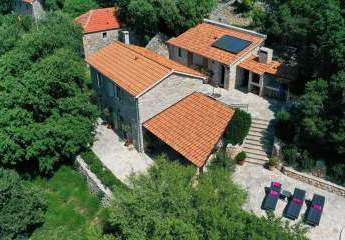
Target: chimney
column 125, row 37
column 265, row 55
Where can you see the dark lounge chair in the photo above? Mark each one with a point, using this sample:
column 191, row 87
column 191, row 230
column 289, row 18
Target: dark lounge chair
column 314, row 212
column 271, row 198
column 295, row 204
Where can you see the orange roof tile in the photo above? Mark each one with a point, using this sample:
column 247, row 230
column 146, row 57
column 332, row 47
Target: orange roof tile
column 28, row 1
column 252, row 64
column 133, row 68
column 98, row 20
column 192, row 127
column 200, row 38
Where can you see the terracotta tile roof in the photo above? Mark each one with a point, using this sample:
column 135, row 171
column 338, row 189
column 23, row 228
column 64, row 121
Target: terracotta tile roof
column 135, row 69
column 199, row 40
column 28, row 1
column 99, row 20
column 252, row 64
column 192, row 127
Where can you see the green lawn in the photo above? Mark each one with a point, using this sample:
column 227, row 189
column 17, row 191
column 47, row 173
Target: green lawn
column 71, row 207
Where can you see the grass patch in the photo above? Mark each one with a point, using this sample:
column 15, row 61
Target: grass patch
column 72, row 209
column 105, row 175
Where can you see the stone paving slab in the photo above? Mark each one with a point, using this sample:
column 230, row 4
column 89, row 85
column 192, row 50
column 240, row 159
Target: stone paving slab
column 121, row 161
column 255, row 178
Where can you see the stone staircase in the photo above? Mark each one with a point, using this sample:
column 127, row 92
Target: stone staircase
column 258, row 144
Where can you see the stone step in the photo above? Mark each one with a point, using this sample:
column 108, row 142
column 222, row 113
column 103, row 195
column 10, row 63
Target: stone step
column 260, row 130
column 256, row 152
column 260, row 125
column 256, row 157
column 258, row 138
column 255, row 161
column 256, row 147
column 258, row 134
column 261, row 142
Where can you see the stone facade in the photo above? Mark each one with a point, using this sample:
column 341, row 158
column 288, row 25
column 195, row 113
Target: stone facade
column 33, row 9
column 317, row 182
column 95, row 41
column 124, row 109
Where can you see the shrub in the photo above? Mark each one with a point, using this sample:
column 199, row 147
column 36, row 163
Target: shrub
column 338, row 173
column 21, row 208
column 238, row 127
column 246, row 5
column 284, row 128
column 273, row 162
column 307, row 162
column 223, row 160
column 291, row 155
column 240, row 157
column 106, row 177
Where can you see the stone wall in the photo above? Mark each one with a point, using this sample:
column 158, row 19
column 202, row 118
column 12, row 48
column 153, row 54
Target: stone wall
column 95, row 185
column 33, row 9
column 37, row 9
column 317, row 182
column 95, row 41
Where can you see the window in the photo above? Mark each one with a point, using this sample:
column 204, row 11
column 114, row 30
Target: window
column 104, row 34
column 179, row 52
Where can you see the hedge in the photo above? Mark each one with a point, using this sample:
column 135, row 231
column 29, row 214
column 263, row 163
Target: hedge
column 106, row 176
column 238, row 127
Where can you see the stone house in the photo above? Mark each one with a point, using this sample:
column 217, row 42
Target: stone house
column 233, row 57
column 140, row 91
column 101, row 27
column 32, row 8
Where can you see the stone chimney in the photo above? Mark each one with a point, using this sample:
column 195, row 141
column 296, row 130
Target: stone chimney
column 265, row 55
column 125, row 37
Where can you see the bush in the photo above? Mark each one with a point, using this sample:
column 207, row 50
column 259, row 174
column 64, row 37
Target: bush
column 240, row 157
column 291, row 155
column 273, row 162
column 307, row 162
column 222, row 160
column 106, row 177
column 21, row 208
column 238, row 127
column 246, row 5
column 338, row 173
column 284, row 128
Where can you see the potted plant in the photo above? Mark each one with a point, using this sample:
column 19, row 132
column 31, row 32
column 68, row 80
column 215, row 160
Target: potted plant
column 126, row 128
column 240, row 158
column 272, row 163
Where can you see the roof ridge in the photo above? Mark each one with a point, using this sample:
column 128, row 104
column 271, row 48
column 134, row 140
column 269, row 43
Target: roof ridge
column 89, row 17
column 133, row 50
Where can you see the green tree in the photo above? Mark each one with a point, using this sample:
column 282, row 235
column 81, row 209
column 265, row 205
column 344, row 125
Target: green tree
column 171, row 203
column 5, row 6
column 172, row 17
column 78, row 7
column 21, row 208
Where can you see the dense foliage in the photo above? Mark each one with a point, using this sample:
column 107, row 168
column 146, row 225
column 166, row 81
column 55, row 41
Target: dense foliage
column 21, row 208
column 317, row 121
column 238, row 127
column 169, row 203
column 45, row 113
column 72, row 7
column 147, row 17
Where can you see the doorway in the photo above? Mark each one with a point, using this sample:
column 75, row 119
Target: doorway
column 222, row 79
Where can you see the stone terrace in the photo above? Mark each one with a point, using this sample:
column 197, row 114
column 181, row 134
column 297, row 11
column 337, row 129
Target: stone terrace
column 255, row 178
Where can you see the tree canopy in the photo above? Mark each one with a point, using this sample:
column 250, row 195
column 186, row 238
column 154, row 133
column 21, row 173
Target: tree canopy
column 21, row 208
column 147, row 17
column 319, row 37
column 171, row 203
column 46, row 114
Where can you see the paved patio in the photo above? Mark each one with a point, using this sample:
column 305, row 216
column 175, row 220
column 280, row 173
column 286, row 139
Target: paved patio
column 255, row 178
column 258, row 107
column 121, row 161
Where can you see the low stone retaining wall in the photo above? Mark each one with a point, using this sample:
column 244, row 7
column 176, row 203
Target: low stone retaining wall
column 94, row 183
column 317, row 182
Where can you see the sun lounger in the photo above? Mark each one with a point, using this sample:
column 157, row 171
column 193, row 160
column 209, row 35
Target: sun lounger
column 295, row 204
column 314, row 212
column 271, row 198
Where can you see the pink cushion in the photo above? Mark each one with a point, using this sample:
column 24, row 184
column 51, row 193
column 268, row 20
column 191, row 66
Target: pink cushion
column 274, row 193
column 316, row 206
column 297, row 201
column 276, row 184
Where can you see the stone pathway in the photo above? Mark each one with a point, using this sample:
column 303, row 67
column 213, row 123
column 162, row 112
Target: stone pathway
column 121, row 161
column 259, row 107
column 255, row 178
